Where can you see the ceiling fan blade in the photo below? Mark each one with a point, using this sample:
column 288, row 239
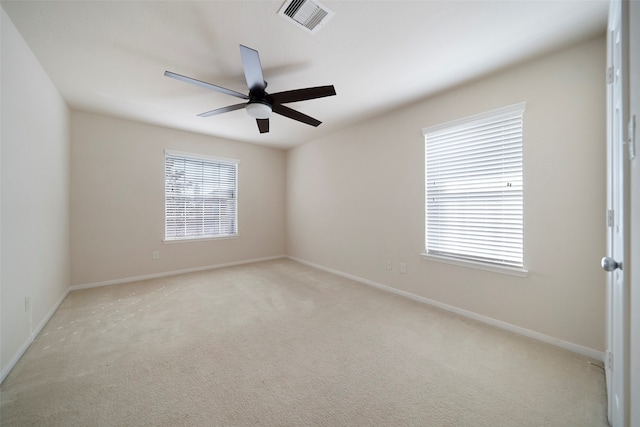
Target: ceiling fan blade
column 295, row 115
column 205, row 85
column 222, row 110
column 303, row 94
column 263, row 125
column 252, row 68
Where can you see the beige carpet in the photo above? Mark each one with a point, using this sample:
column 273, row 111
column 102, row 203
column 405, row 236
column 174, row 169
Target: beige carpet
column 281, row 344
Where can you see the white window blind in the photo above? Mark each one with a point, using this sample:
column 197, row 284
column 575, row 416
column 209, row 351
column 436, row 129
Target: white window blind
column 201, row 197
column 474, row 188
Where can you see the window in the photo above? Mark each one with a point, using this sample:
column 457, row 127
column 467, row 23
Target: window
column 474, row 190
column 201, row 196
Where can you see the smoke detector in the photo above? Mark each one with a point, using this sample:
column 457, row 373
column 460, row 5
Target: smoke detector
column 307, row 14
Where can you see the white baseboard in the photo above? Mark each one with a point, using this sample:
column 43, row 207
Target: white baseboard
column 169, row 273
column 585, row 351
column 34, row 333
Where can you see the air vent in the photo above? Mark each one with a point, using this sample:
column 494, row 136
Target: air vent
column 307, row 14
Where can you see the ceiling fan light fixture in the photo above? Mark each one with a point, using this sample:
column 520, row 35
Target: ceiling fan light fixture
column 258, row 110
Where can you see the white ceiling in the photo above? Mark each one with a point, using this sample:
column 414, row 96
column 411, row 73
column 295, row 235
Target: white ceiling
column 109, row 57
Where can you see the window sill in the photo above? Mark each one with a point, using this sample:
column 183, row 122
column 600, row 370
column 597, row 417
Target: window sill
column 200, row 239
column 512, row 271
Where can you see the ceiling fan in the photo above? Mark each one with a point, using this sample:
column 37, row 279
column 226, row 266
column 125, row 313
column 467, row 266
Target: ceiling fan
column 261, row 104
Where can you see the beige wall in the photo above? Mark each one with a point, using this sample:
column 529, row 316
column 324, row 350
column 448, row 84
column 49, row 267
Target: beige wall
column 35, row 195
column 117, row 203
column 348, row 202
column 356, row 198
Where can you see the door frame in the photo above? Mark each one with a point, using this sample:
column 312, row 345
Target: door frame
column 633, row 32
column 618, row 223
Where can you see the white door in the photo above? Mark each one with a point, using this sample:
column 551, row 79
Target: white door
column 617, row 181
column 633, row 136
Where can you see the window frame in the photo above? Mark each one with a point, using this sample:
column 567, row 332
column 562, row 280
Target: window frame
column 194, row 157
column 470, row 122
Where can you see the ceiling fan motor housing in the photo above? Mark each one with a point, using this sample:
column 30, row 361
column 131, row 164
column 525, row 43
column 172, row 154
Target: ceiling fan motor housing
column 261, row 96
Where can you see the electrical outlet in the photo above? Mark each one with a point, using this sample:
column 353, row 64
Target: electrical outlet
column 27, row 304
column 389, row 265
column 155, row 255
column 403, row 267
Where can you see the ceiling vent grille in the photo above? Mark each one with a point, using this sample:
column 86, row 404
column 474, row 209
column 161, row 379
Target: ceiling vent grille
column 310, row 15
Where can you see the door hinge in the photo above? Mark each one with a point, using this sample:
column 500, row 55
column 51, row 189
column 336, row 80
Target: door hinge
column 632, row 137
column 609, row 75
column 608, row 361
column 610, row 218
